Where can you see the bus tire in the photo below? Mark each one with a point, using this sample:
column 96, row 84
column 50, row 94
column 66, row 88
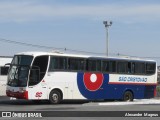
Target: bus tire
column 128, row 96
column 55, row 97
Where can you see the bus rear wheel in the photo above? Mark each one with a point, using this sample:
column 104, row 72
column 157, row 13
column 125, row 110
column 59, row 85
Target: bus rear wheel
column 55, row 97
column 128, row 96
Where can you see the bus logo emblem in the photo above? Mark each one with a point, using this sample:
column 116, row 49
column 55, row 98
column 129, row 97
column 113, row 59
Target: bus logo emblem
column 93, row 81
column 38, row 94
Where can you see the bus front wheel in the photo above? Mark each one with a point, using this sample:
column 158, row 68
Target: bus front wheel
column 128, row 96
column 55, row 97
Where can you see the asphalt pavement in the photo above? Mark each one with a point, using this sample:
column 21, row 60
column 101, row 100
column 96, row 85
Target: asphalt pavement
column 82, row 109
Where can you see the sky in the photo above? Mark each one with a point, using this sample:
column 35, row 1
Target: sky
column 78, row 25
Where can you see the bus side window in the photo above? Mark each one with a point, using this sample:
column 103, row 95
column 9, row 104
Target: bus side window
column 82, row 64
column 57, row 63
column 105, row 66
column 91, row 65
column 122, row 67
column 150, row 68
column 140, row 68
column 62, row 64
column 76, row 64
column 129, row 67
column 112, row 66
column 133, row 68
column 94, row 65
column 98, row 65
column 41, row 62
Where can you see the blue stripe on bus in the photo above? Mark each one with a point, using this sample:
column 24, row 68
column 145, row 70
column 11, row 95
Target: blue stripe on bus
column 114, row 91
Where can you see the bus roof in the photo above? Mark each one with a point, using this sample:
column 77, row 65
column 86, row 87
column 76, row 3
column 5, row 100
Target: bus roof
column 83, row 56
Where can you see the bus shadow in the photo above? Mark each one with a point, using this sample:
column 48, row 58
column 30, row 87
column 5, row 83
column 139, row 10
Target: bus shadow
column 44, row 102
column 8, row 101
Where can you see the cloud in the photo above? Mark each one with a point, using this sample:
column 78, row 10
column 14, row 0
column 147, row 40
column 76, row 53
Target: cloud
column 29, row 11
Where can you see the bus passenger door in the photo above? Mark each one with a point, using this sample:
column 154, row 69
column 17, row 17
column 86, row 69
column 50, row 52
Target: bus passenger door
column 37, row 89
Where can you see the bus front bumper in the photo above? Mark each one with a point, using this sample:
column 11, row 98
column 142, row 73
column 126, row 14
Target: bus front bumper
column 18, row 95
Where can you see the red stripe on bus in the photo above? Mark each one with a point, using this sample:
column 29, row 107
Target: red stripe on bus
column 132, row 83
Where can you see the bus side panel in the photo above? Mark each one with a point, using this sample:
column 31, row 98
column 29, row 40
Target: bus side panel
column 137, row 90
column 111, row 88
column 149, row 91
column 105, row 90
column 66, row 82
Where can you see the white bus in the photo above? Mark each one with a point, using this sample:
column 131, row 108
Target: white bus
column 56, row 77
column 3, row 73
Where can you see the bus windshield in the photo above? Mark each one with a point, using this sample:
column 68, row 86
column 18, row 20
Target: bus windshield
column 22, row 60
column 19, row 70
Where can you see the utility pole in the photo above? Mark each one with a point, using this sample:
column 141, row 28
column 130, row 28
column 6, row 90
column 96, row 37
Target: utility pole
column 107, row 25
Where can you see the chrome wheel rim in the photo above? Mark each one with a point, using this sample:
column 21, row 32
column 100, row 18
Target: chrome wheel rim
column 55, row 97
